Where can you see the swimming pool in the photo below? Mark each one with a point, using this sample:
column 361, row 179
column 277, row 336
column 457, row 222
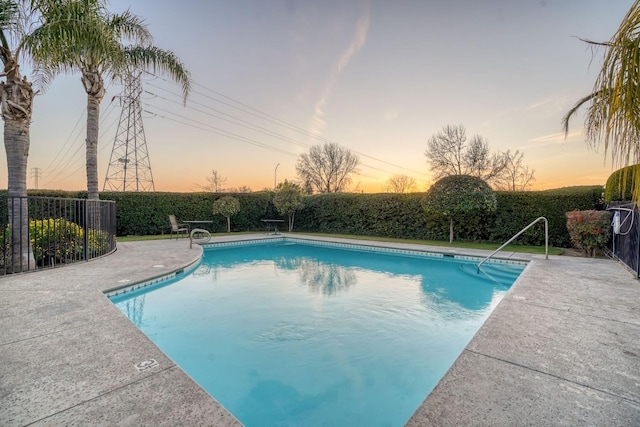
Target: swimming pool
column 307, row 333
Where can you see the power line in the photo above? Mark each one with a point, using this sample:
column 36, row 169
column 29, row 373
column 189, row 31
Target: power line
column 61, row 170
column 217, row 131
column 274, row 120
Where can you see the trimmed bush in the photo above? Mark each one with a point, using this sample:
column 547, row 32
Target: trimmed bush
column 147, row 213
column 288, row 199
column 458, row 197
column 227, row 207
column 383, row 214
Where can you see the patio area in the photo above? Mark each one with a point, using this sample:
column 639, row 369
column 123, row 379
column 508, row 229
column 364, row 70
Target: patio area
column 562, row 348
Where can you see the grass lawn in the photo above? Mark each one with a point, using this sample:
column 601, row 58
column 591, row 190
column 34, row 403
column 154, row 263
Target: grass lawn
column 465, row 245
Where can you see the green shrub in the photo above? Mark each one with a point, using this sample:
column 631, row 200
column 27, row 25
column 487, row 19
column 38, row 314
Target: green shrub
column 621, row 183
column 589, row 230
column 459, row 197
column 56, row 241
column 288, row 199
column 517, row 209
column 226, row 206
column 383, row 214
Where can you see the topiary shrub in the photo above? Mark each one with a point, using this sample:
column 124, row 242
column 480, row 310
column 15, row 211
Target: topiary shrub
column 589, row 230
column 456, row 196
column 227, row 206
column 288, row 199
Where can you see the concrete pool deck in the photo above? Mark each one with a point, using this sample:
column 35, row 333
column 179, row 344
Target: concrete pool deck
column 562, row 348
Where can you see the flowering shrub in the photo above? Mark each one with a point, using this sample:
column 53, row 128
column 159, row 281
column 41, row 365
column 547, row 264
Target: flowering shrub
column 589, row 230
column 56, row 241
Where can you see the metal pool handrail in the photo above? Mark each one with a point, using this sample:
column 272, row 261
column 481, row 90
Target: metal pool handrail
column 199, row 236
column 546, row 240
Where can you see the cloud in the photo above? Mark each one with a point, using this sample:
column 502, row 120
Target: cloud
column 391, row 115
column 551, row 139
column 358, row 41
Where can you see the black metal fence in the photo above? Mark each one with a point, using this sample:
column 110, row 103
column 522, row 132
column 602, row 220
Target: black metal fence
column 625, row 241
column 46, row 232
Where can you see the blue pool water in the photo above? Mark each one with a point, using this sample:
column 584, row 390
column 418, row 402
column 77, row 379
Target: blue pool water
column 290, row 334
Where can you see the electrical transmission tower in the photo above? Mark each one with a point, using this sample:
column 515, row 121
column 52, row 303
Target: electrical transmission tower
column 36, row 173
column 129, row 168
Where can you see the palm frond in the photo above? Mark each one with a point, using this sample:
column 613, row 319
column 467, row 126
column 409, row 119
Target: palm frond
column 613, row 116
column 567, row 117
column 156, row 59
column 128, row 26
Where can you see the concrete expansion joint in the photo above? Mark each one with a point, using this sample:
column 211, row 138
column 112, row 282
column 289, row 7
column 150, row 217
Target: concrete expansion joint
column 522, row 300
column 98, row 396
column 548, row 374
column 59, row 331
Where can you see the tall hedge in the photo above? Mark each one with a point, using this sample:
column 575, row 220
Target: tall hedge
column 385, row 214
column 147, row 213
column 517, row 209
column 401, row 215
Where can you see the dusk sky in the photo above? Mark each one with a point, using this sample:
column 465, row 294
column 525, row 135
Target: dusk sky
column 271, row 78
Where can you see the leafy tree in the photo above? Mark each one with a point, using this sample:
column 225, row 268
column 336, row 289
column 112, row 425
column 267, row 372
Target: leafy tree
column 401, row 184
column 448, row 153
column 84, row 36
column 288, row 199
column 458, row 195
column 516, row 176
column 327, row 168
column 227, row 206
column 612, row 116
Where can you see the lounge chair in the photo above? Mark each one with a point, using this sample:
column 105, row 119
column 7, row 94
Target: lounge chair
column 177, row 228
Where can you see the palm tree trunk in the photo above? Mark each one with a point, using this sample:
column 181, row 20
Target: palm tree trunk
column 94, row 86
column 228, row 224
column 16, row 95
column 93, row 117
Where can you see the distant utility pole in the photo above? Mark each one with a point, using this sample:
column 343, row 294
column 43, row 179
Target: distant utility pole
column 36, row 173
column 129, row 168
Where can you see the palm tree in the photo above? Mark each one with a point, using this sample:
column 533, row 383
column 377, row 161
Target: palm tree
column 613, row 115
column 17, row 18
column 98, row 53
column 16, row 95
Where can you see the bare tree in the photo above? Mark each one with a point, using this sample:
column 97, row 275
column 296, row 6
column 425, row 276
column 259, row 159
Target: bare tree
column 401, row 184
column 516, row 176
column 327, row 168
column 449, row 154
column 215, row 182
column 244, row 189
column 241, row 189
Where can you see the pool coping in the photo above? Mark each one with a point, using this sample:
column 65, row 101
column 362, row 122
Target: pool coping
column 68, row 356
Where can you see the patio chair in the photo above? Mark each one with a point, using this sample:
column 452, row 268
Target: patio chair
column 177, row 228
